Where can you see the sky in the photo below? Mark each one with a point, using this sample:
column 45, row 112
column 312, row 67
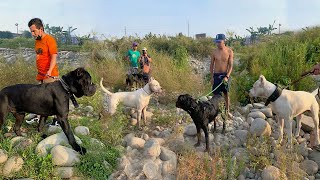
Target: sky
column 117, row 18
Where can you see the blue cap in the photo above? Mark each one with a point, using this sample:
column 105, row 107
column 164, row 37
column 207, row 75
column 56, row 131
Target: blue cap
column 219, row 38
column 134, row 44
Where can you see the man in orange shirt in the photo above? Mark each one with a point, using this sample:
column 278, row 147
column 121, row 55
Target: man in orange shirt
column 46, row 55
column 46, row 50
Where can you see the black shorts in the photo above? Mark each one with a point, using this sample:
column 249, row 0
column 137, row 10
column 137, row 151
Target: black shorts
column 218, row 78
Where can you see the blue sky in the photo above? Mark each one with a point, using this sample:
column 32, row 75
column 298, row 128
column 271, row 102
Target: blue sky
column 109, row 18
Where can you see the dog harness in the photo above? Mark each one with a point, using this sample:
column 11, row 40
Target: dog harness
column 274, row 96
column 71, row 96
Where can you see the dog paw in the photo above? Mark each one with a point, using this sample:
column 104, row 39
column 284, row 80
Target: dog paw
column 82, row 151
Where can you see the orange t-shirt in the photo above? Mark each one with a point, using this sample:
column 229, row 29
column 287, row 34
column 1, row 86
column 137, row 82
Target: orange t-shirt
column 45, row 48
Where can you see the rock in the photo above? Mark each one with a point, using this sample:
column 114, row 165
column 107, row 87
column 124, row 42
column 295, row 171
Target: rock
column 23, row 144
column 246, row 109
column 64, row 172
column 164, row 134
column 145, row 137
column 315, row 156
column 250, row 120
column 133, row 121
column 155, row 132
column 14, row 164
column 258, row 105
column 260, row 127
column 52, row 141
column 148, row 116
column 123, row 162
column 152, row 148
column 242, row 135
column 267, row 112
column 307, row 123
column 88, row 109
column 169, row 165
column 81, row 130
column 160, row 140
column 150, row 169
column 132, row 170
column 309, row 167
column 63, row 156
column 257, row 114
column 3, row 156
column 96, row 143
column 136, row 143
column 190, row 130
column 54, row 129
column 241, row 177
column 272, row 173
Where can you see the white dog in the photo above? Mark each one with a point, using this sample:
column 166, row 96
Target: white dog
column 138, row 99
column 286, row 105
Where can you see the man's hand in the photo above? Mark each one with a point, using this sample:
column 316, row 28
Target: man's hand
column 316, row 69
column 225, row 79
column 49, row 73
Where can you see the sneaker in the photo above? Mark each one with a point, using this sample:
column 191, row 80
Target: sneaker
column 55, row 123
column 32, row 120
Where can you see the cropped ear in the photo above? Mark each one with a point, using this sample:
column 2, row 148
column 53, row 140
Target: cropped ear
column 80, row 71
column 262, row 79
column 151, row 79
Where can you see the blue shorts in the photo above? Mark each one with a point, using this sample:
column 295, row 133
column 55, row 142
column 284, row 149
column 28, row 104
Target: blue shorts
column 218, row 78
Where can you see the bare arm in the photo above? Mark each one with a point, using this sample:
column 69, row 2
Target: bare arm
column 53, row 62
column 212, row 67
column 230, row 63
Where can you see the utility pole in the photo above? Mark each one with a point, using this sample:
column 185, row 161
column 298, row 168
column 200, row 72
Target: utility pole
column 17, row 27
column 125, row 31
column 188, row 28
column 279, row 27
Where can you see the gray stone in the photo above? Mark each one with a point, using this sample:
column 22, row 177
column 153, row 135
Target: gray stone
column 13, row 164
column 150, row 169
column 309, row 167
column 81, row 130
column 135, row 142
column 64, row 172
column 152, row 148
column 260, row 127
column 3, row 156
column 307, row 123
column 190, row 130
column 258, row 105
column 242, row 135
column 272, row 173
column 63, row 156
column 257, row 114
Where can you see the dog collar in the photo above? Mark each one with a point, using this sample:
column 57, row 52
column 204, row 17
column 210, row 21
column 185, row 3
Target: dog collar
column 71, row 96
column 274, row 96
column 146, row 91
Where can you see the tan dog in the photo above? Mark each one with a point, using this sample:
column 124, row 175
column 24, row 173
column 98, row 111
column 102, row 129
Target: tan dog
column 287, row 105
column 138, row 99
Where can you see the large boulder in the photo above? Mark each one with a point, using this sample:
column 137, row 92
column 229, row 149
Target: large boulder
column 260, row 127
column 14, row 164
column 272, row 173
column 63, row 156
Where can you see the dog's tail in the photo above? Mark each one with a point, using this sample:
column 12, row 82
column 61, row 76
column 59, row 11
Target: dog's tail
column 104, row 89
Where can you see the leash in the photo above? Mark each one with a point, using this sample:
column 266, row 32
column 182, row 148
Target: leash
column 53, row 77
column 212, row 90
column 303, row 75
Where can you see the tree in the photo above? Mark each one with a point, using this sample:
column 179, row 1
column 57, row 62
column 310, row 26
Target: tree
column 6, row 35
column 26, row 34
column 67, row 34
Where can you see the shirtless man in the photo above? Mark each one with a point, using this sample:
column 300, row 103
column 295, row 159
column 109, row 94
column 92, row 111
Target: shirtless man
column 221, row 68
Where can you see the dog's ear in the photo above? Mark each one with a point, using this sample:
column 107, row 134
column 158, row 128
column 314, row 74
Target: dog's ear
column 151, row 79
column 262, row 79
column 80, row 71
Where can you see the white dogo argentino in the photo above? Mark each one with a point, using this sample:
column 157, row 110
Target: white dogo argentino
column 286, row 105
column 138, row 99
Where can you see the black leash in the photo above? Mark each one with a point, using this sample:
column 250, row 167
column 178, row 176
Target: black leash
column 303, row 75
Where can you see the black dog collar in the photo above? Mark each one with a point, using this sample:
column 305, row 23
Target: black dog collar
column 71, row 96
column 274, row 96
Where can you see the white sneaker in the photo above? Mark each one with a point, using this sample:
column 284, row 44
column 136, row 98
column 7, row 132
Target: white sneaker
column 32, row 120
column 55, row 124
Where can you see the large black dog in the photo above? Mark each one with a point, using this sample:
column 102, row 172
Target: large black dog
column 202, row 113
column 46, row 100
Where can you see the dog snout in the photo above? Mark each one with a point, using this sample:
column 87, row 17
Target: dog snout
column 92, row 90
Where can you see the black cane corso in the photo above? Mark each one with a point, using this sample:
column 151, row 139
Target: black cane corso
column 202, row 113
column 46, row 100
